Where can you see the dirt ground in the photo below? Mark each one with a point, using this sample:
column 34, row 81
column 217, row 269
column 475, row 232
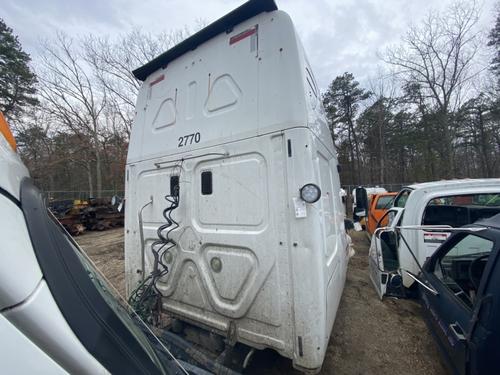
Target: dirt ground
column 369, row 336
column 106, row 251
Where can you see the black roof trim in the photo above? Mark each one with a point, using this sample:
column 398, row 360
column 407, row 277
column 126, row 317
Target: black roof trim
column 248, row 10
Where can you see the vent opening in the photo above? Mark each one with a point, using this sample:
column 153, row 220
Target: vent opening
column 206, row 183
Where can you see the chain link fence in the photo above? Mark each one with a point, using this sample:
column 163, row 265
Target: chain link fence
column 388, row 187
column 85, row 194
column 58, row 195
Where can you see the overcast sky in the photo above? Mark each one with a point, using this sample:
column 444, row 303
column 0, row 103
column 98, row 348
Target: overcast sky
column 338, row 35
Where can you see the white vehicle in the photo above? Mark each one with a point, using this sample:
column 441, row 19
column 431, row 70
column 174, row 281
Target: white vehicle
column 232, row 164
column 57, row 313
column 446, row 204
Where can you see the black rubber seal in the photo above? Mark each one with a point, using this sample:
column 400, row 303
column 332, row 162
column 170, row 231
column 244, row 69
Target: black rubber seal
column 9, row 196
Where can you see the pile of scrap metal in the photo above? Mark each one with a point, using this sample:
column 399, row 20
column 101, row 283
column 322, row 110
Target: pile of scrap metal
column 78, row 216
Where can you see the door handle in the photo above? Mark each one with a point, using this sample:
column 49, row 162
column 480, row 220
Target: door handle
column 457, row 331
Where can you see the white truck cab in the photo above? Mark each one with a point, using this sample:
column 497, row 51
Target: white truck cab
column 446, row 204
column 232, row 189
column 58, row 315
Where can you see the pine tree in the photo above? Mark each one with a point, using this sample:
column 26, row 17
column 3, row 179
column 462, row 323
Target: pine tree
column 494, row 41
column 17, row 81
column 341, row 102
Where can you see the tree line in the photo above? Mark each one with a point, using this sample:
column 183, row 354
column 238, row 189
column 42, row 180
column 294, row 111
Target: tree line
column 73, row 112
column 431, row 113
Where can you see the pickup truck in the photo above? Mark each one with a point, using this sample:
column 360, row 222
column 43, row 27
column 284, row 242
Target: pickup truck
column 449, row 204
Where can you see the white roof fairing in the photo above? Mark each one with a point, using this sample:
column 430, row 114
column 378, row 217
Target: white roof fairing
column 223, row 92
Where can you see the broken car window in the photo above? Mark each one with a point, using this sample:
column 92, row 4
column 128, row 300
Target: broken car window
column 462, row 267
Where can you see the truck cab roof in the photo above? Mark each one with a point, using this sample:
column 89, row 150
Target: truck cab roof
column 239, row 78
column 455, row 183
column 421, row 194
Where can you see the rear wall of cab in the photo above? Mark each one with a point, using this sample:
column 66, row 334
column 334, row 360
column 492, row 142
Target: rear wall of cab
column 234, row 86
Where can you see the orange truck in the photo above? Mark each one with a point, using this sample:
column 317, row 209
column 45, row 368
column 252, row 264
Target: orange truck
column 377, row 207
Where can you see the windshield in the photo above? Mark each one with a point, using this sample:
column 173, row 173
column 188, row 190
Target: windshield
column 384, row 202
column 402, row 197
column 112, row 298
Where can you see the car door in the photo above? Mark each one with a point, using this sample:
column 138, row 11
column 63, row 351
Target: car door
column 383, row 253
column 455, row 274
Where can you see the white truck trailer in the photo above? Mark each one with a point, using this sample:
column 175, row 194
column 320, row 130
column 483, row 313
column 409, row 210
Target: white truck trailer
column 418, row 210
column 233, row 207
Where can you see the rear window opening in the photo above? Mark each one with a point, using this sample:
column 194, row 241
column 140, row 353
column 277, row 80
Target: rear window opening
column 461, row 268
column 460, row 210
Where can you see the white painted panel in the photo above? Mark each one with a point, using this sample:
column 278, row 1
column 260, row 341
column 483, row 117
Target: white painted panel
column 165, row 114
column 237, row 266
column 19, row 355
column 239, row 192
column 191, row 100
column 12, row 168
column 40, row 319
column 224, row 94
column 16, row 256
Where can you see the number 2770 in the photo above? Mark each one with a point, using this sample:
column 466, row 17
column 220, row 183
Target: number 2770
column 189, row 139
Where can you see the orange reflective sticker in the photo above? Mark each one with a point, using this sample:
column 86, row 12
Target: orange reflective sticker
column 5, row 131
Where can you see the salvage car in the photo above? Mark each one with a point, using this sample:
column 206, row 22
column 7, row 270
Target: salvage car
column 460, row 295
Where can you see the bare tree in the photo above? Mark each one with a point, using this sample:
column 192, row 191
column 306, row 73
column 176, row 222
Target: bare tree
column 88, row 89
column 69, row 93
column 114, row 60
column 383, row 88
column 439, row 57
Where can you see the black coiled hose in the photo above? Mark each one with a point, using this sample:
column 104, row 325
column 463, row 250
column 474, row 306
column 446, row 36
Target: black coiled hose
column 164, row 242
column 146, row 298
